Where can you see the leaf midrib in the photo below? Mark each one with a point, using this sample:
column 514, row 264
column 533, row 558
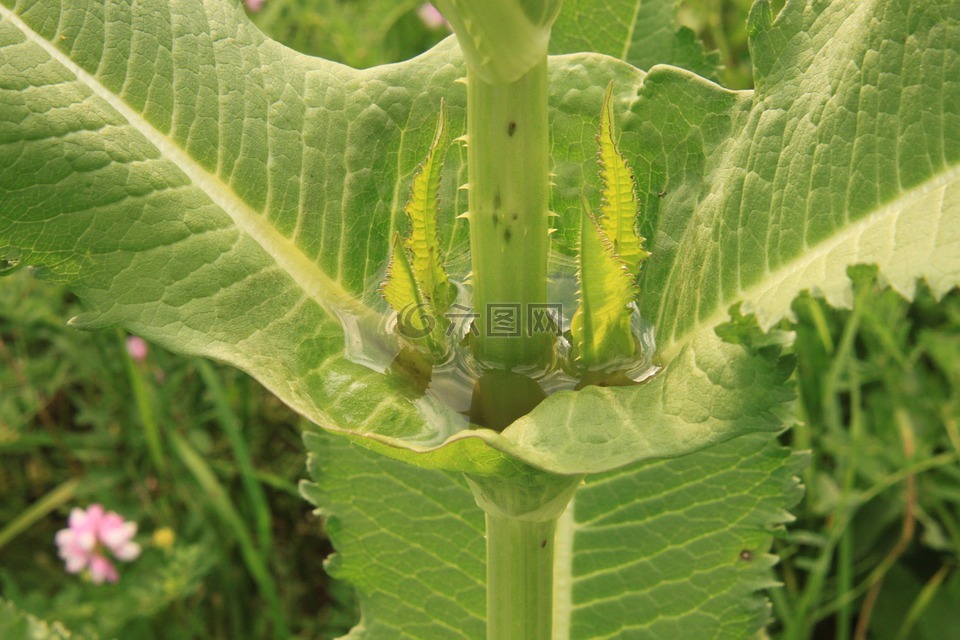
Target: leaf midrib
column 630, row 29
column 773, row 278
column 308, row 276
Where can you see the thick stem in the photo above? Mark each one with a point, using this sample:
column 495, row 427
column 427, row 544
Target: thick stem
column 519, row 579
column 522, row 514
column 508, row 166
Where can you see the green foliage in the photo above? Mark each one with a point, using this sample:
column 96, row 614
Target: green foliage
column 409, row 539
column 147, row 590
column 652, row 550
column 71, row 433
column 600, row 328
column 416, row 317
column 423, row 209
column 417, row 286
column 16, row 624
column 229, row 198
column 610, row 254
column 722, row 26
column 358, row 33
column 224, row 227
column 877, row 539
column 644, row 33
column 618, row 192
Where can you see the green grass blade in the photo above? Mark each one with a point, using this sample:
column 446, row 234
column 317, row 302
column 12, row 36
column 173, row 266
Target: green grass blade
column 220, row 500
column 241, row 452
column 144, row 405
column 39, row 509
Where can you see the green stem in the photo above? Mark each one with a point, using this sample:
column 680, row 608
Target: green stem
column 519, row 579
column 522, row 514
column 508, row 165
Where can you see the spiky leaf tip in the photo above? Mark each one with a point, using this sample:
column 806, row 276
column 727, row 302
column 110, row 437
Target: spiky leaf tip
column 601, row 325
column 618, row 206
column 423, row 210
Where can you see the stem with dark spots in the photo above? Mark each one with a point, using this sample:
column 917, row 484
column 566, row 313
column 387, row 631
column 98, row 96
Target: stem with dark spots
column 508, row 164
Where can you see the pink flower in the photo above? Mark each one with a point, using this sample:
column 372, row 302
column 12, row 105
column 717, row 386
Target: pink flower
column 137, row 348
column 254, row 5
column 431, row 18
column 91, row 535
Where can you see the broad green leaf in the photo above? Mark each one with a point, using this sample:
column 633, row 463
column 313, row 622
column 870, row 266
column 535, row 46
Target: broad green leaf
column 210, row 197
column 410, row 540
column 655, row 550
column 708, row 392
column 423, row 209
column 752, row 198
column 601, row 325
column 618, row 203
column 18, row 625
column 880, row 179
column 644, row 33
column 224, row 196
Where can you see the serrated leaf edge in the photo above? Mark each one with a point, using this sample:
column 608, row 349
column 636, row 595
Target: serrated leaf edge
column 602, row 319
column 423, row 210
column 618, row 193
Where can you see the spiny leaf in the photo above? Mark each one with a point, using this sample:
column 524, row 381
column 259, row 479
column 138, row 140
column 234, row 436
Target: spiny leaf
column 423, row 210
column 601, row 325
column 610, row 254
column 416, row 317
column 618, row 206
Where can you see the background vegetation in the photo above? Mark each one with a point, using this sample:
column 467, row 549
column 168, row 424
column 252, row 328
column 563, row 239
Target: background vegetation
column 208, row 463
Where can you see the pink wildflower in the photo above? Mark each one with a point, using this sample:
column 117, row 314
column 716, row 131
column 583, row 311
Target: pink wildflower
column 431, row 18
column 254, row 5
column 93, row 533
column 137, row 348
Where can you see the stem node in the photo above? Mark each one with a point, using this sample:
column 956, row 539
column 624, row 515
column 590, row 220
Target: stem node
column 521, row 518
